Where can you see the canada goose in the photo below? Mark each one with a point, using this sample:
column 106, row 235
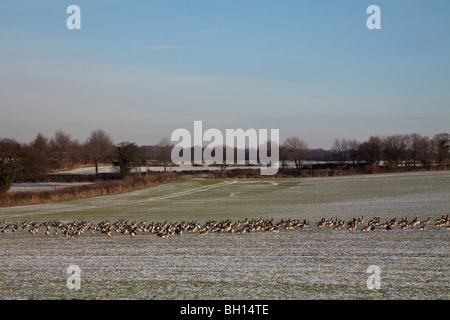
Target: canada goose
column 288, row 226
column 393, row 223
column 192, row 229
column 321, row 223
column 414, row 222
column 443, row 219
column 384, row 225
column 164, row 235
column 168, row 229
column 441, row 223
column 339, row 226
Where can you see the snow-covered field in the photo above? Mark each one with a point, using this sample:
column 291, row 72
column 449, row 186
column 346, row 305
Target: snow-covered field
column 43, row 186
column 180, row 168
column 311, row 263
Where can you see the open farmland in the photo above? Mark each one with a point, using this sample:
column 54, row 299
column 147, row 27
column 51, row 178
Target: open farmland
column 308, row 263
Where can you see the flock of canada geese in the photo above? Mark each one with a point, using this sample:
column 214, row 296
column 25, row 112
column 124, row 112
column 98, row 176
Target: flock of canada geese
column 165, row 229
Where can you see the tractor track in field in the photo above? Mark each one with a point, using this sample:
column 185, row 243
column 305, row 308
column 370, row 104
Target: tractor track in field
column 192, row 191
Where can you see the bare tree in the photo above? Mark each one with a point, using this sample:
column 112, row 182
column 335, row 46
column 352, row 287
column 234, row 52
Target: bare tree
column 412, row 150
column 216, row 155
column 370, row 150
column 340, row 149
column 296, row 150
column 40, row 143
column 60, row 146
column 76, row 152
column 442, row 141
column 99, row 147
column 165, row 146
column 268, row 154
column 352, row 150
column 394, row 148
column 150, row 152
column 36, row 156
column 426, row 151
column 283, row 156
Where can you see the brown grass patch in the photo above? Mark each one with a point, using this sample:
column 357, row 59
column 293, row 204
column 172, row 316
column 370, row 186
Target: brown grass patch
column 102, row 188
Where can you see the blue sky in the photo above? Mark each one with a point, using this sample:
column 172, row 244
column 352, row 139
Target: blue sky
column 140, row 69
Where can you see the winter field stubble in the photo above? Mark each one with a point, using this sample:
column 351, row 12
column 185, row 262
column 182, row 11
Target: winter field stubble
column 310, row 263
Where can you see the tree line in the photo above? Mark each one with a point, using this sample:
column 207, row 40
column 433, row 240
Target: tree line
column 44, row 155
column 391, row 150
